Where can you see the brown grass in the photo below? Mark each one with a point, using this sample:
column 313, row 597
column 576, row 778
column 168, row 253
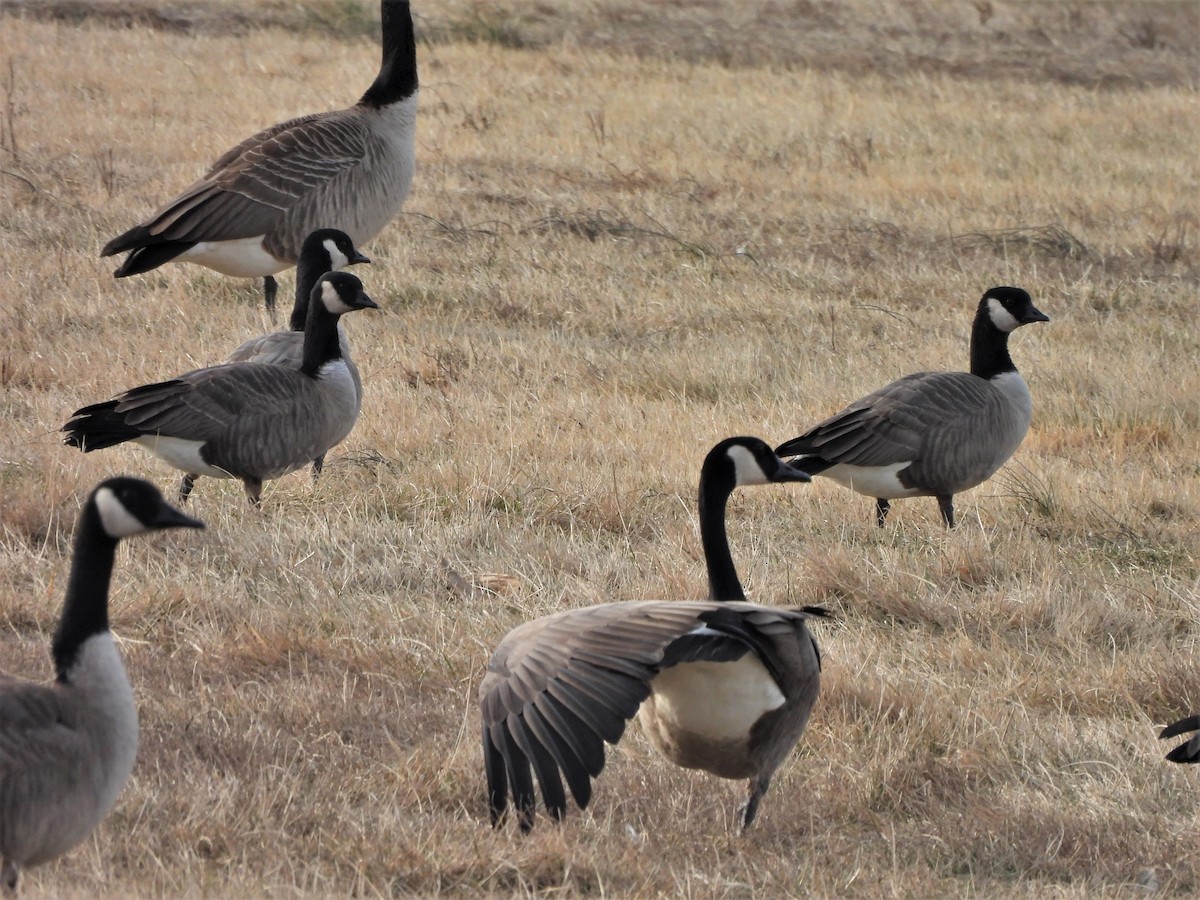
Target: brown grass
column 636, row 229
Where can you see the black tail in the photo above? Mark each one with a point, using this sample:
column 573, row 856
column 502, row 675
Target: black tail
column 98, row 426
column 813, row 465
column 148, row 251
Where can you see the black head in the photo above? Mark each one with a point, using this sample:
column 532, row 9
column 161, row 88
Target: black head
column 340, row 293
column 328, row 249
column 1009, row 308
column 739, row 461
column 129, row 506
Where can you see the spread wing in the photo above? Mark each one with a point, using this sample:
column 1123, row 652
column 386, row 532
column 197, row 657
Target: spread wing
column 1189, row 750
column 558, row 688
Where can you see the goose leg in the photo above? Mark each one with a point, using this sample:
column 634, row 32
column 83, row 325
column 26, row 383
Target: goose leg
column 758, row 787
column 8, row 878
column 317, row 465
column 881, row 510
column 270, row 288
column 946, row 505
column 253, row 488
column 186, row 483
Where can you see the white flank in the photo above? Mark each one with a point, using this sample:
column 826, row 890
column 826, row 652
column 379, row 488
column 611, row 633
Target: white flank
column 874, row 481
column 118, row 522
column 181, row 453
column 745, row 466
column 1001, row 317
column 243, row 258
column 719, row 701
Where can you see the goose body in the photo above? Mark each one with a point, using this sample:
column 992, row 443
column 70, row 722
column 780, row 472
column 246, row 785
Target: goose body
column 931, row 433
column 325, row 250
column 1189, row 750
column 720, row 684
column 67, row 748
column 349, row 169
column 250, row 421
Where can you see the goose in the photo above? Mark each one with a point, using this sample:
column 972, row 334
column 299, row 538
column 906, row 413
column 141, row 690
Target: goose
column 325, row 250
column 349, row 169
column 931, row 433
column 1189, row 750
column 67, row 748
column 720, row 684
column 250, row 421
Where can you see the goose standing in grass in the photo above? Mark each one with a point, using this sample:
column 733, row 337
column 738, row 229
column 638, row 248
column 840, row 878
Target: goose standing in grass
column 67, row 748
column 931, row 433
column 1189, row 750
column 325, row 250
column 349, row 169
column 722, row 685
column 251, row 421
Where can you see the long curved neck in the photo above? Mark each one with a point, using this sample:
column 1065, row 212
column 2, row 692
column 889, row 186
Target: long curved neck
column 85, row 610
column 321, row 344
column 723, row 583
column 306, row 279
column 989, row 347
column 397, row 78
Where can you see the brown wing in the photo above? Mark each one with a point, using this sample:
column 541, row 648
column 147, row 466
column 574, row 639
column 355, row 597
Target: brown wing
column 251, row 187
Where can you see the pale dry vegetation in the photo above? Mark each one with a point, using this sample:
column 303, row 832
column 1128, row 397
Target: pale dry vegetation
column 637, row 229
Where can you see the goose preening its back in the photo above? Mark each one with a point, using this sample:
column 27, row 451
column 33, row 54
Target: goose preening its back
column 1189, row 750
column 931, row 433
column 349, row 169
column 67, row 748
column 250, row 421
column 721, row 685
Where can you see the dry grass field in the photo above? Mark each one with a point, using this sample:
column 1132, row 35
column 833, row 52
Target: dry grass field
column 636, row 228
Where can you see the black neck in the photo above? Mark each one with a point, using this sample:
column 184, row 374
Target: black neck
column 85, row 611
column 397, row 78
column 321, row 344
column 989, row 346
column 307, row 273
column 723, row 583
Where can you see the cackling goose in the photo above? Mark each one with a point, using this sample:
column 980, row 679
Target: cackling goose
column 325, row 250
column 931, row 433
column 242, row 420
column 721, row 685
column 349, row 169
column 67, row 748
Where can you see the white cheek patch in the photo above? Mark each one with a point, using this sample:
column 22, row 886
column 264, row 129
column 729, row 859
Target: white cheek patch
column 118, row 522
column 332, row 300
column 1001, row 317
column 745, row 466
column 337, row 259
